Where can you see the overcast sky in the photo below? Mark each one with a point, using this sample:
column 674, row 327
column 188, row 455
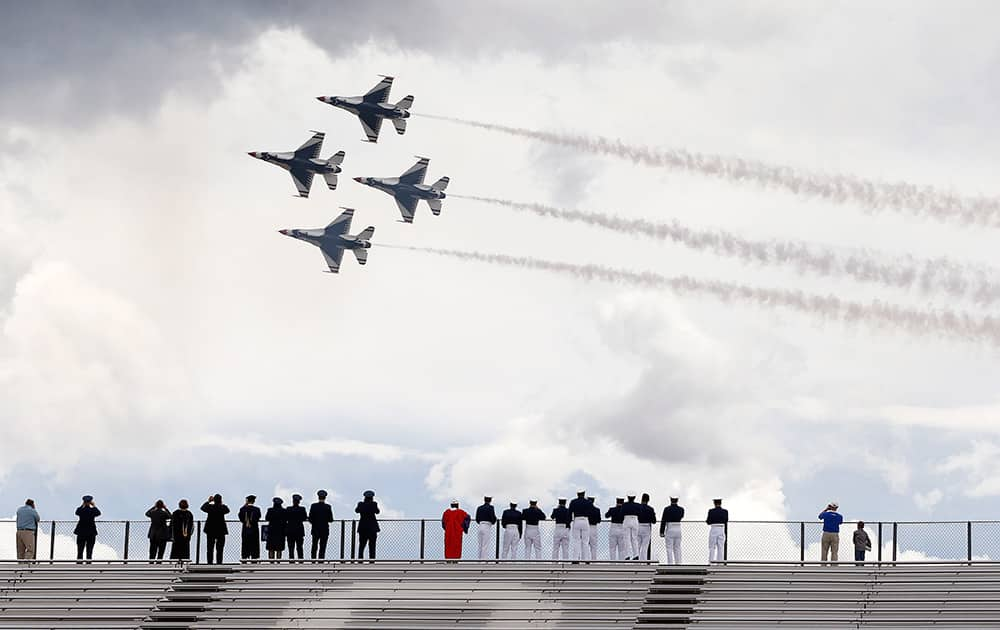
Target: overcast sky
column 159, row 339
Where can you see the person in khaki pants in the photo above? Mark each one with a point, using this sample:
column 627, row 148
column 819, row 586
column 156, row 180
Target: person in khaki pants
column 830, row 543
column 27, row 530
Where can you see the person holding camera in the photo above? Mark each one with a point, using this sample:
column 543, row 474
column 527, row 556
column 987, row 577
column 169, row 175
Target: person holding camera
column 215, row 527
column 830, row 542
column 86, row 528
column 159, row 529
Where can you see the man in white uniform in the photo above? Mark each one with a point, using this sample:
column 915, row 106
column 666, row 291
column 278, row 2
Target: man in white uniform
column 560, row 535
column 631, row 511
column 647, row 518
column 595, row 520
column 486, row 522
column 670, row 529
column 717, row 519
column 579, row 533
column 616, row 535
column 532, row 536
column 513, row 526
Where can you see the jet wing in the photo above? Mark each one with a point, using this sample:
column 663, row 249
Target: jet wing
column 371, row 124
column 311, row 148
column 379, row 93
column 342, row 224
column 333, row 255
column 407, row 207
column 415, row 174
column 303, row 181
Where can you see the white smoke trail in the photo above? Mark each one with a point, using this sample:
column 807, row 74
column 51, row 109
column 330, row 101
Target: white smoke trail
column 942, row 323
column 940, row 274
column 922, row 201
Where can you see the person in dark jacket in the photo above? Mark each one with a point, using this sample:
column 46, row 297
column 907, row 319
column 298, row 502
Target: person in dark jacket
column 595, row 520
column 368, row 528
column 532, row 536
column 320, row 517
column 512, row 522
column 647, row 518
column 717, row 519
column 579, row 533
column 295, row 529
column 182, row 526
column 630, row 526
column 215, row 527
column 86, row 528
column 250, row 529
column 616, row 533
column 486, row 520
column 670, row 530
column 560, row 535
column 159, row 529
column 276, row 519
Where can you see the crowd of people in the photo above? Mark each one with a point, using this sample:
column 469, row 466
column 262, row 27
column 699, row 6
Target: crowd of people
column 574, row 536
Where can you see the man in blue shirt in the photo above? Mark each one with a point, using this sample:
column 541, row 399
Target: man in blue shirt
column 830, row 543
column 27, row 530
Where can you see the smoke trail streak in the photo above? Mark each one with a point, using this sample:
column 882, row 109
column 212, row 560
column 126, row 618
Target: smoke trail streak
column 939, row 274
column 922, row 201
column 942, row 323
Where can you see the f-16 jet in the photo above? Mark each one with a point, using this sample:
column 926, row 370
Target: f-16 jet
column 334, row 239
column 372, row 108
column 304, row 162
column 409, row 188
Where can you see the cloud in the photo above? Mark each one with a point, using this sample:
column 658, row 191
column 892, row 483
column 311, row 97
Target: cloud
column 313, row 448
column 927, row 501
column 980, row 467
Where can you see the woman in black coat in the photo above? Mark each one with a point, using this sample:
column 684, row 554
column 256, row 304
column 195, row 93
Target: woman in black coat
column 368, row 528
column 159, row 529
column 275, row 518
column 181, row 525
column 215, row 526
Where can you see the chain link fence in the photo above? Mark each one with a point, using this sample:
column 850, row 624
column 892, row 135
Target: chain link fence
column 423, row 539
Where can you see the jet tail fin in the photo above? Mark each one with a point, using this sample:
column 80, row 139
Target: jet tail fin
column 440, row 184
column 435, row 205
column 331, row 180
column 336, row 159
column 366, row 233
column 361, row 255
column 406, row 102
column 400, row 124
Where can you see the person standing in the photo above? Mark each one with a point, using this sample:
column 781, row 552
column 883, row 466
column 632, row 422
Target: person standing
column 862, row 543
column 275, row 518
column 295, row 529
column 250, row 529
column 594, row 521
column 630, row 524
column 616, row 535
column 26, row 536
column 718, row 519
column 86, row 528
column 181, row 525
column 215, row 527
column 368, row 527
column 670, row 529
column 532, row 536
column 830, row 542
column 320, row 517
column 455, row 522
column 486, row 521
column 560, row 535
column 579, row 511
column 159, row 529
column 647, row 518
column 512, row 522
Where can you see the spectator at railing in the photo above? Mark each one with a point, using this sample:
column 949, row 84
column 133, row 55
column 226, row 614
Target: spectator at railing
column 512, row 522
column 320, row 517
column 275, row 533
column 830, row 541
column 717, row 519
column 532, row 536
column 181, row 525
column 86, row 528
column 250, row 529
column 215, row 528
column 295, row 529
column 368, row 527
column 862, row 543
column 579, row 511
column 486, row 520
column 26, row 536
column 159, row 529
column 670, row 530
column 616, row 533
column 593, row 520
column 560, row 535
column 455, row 522
column 630, row 525
column 647, row 518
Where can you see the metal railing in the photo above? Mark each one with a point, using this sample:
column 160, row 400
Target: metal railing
column 422, row 539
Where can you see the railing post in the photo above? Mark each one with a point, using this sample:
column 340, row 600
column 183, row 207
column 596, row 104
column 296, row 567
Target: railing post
column 197, row 543
column 895, row 530
column 52, row 542
column 969, row 538
column 354, row 538
column 725, row 544
column 125, row 551
column 343, row 534
column 802, row 541
column 423, row 525
column 497, row 528
column 880, row 541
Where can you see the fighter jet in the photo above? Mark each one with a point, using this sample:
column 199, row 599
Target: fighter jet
column 409, row 188
column 334, row 239
column 372, row 108
column 304, row 162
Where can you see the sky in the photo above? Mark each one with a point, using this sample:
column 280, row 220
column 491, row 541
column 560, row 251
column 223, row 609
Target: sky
column 159, row 338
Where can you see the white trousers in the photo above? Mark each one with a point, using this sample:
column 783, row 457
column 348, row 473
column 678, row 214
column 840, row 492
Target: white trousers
column 593, row 542
column 485, row 532
column 716, row 543
column 532, row 542
column 579, row 536
column 673, row 540
column 560, row 543
column 645, row 532
column 631, row 526
column 616, row 542
column 511, row 538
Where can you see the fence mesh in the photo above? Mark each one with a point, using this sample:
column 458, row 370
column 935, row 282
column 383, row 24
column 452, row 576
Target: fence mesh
column 932, row 541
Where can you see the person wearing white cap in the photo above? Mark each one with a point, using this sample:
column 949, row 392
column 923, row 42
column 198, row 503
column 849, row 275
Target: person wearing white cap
column 630, row 523
column 830, row 542
column 718, row 519
column 560, row 535
column 670, row 530
column 532, row 536
column 579, row 533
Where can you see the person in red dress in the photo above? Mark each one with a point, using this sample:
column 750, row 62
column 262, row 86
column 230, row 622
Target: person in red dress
column 455, row 522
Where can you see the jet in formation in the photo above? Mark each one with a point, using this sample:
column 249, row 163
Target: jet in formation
column 334, row 239
column 372, row 108
column 409, row 188
column 304, row 162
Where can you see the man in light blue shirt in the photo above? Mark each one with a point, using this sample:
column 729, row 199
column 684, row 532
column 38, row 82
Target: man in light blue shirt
column 27, row 530
column 830, row 543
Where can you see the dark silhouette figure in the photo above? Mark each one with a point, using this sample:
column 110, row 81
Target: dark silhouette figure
column 295, row 529
column 86, row 528
column 250, row 530
column 159, row 529
column 215, row 527
column 320, row 517
column 181, row 525
column 275, row 518
column 368, row 528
